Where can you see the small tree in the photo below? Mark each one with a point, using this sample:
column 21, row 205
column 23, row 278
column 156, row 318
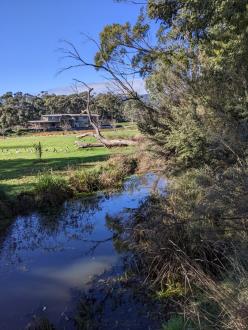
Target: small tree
column 38, row 150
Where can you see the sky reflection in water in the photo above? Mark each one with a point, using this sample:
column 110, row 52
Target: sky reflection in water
column 43, row 258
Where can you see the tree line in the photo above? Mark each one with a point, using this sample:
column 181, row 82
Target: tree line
column 16, row 109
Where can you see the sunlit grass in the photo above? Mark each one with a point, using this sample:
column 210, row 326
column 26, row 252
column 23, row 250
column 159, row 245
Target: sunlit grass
column 19, row 164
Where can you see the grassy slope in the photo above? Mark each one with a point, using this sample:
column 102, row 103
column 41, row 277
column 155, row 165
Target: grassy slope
column 19, row 164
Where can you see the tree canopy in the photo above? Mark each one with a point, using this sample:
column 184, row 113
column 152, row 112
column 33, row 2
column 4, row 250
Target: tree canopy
column 196, row 71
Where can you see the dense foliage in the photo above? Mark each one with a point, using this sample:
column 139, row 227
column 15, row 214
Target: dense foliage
column 196, row 73
column 16, row 109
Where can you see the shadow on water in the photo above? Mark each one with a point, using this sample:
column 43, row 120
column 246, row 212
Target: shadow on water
column 48, row 261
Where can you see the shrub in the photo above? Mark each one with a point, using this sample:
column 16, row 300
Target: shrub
column 5, row 209
column 86, row 181
column 116, row 170
column 196, row 237
column 125, row 165
column 109, row 176
column 38, row 150
column 51, row 190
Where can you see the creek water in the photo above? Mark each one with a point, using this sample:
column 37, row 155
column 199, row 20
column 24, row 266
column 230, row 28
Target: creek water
column 47, row 259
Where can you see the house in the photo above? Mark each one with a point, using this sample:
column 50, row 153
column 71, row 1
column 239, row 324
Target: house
column 63, row 121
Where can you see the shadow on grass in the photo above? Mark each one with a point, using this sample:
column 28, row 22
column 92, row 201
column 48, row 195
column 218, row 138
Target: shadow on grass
column 14, row 189
column 17, row 168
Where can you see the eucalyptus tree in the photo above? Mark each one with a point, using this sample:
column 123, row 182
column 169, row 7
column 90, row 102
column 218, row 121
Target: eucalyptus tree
column 109, row 106
column 17, row 109
column 56, row 104
column 195, row 66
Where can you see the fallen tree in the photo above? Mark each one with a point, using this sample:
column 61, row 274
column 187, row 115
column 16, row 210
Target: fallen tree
column 108, row 143
column 80, row 144
column 103, row 141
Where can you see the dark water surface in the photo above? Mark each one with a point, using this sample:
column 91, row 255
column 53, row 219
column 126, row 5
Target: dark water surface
column 45, row 260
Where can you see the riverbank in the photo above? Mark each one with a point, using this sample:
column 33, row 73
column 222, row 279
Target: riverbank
column 52, row 189
column 43, row 170
column 190, row 248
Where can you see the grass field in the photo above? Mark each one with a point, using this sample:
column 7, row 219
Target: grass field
column 19, row 163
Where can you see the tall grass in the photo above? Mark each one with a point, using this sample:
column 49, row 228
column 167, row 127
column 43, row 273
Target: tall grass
column 51, row 190
column 86, row 181
column 40, row 323
column 192, row 249
column 109, row 176
column 5, row 210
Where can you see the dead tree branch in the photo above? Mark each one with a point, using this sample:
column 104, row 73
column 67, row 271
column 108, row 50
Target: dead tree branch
column 98, row 135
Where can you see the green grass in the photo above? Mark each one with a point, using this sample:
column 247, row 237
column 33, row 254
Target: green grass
column 19, row 164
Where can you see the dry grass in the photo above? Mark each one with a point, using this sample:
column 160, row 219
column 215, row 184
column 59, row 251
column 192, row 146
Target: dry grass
column 176, row 241
column 108, row 176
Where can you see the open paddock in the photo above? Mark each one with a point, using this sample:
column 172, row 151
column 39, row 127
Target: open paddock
column 20, row 164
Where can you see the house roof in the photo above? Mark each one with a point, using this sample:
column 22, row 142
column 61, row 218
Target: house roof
column 42, row 121
column 70, row 114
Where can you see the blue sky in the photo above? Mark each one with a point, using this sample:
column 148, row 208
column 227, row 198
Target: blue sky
column 30, row 34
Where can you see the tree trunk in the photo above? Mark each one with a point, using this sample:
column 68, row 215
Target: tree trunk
column 87, row 145
column 104, row 142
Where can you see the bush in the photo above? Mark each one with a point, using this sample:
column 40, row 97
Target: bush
column 5, row 210
column 189, row 244
column 117, row 169
column 109, row 176
column 51, row 190
column 86, row 182
column 5, row 207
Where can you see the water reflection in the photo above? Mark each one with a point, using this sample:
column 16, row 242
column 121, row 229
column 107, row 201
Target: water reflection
column 50, row 231
column 46, row 257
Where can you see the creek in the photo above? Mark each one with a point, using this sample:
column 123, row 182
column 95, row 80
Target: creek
column 47, row 259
